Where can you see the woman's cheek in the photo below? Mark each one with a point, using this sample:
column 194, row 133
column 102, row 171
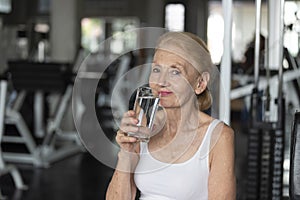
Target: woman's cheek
column 153, row 79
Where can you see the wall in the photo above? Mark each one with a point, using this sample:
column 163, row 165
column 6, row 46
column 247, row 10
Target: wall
column 196, row 17
column 65, row 29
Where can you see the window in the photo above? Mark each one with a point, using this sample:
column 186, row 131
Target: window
column 5, row 6
column 292, row 27
column 93, row 33
column 174, row 17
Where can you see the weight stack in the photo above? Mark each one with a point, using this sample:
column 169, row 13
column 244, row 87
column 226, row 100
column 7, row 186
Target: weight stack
column 265, row 164
column 254, row 163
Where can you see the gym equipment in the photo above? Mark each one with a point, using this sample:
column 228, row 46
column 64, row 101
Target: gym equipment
column 266, row 136
column 40, row 79
column 5, row 168
column 294, row 180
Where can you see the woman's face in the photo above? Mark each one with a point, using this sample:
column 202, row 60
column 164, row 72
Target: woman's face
column 173, row 79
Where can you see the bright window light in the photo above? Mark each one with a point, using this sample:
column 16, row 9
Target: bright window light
column 174, row 18
column 291, row 36
column 5, row 6
column 93, row 33
column 215, row 34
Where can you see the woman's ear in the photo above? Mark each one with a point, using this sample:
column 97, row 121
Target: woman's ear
column 202, row 83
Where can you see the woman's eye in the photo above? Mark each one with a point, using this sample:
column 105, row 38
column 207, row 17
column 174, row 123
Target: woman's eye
column 175, row 72
column 155, row 70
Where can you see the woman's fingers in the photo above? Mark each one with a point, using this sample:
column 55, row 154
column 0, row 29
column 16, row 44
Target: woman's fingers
column 129, row 122
column 129, row 128
column 129, row 118
column 127, row 139
column 122, row 138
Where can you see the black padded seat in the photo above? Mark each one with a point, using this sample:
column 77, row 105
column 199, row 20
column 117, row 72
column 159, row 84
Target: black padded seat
column 34, row 76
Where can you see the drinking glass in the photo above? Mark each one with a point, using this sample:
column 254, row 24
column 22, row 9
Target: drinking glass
column 145, row 107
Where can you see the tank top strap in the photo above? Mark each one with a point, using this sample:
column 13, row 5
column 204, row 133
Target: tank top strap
column 143, row 148
column 205, row 146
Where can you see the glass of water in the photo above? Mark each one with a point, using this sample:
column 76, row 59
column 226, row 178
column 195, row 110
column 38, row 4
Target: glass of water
column 145, row 107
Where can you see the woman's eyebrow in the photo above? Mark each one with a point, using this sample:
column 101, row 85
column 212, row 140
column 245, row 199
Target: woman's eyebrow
column 155, row 65
column 179, row 66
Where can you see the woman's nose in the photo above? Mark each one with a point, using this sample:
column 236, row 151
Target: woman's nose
column 163, row 79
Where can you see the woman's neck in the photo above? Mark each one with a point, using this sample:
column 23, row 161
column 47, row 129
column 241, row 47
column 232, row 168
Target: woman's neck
column 181, row 120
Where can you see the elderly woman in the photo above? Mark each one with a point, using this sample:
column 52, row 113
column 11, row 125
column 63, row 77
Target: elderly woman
column 192, row 155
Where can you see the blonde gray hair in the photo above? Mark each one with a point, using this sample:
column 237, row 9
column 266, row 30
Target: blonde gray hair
column 194, row 50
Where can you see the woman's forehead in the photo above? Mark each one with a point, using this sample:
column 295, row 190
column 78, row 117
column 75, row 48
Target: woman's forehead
column 171, row 58
column 163, row 55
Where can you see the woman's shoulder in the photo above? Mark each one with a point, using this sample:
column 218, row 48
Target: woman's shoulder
column 222, row 136
column 221, row 133
column 220, row 126
column 226, row 129
column 207, row 120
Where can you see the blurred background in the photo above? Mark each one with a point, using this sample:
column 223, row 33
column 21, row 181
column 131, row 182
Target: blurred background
column 46, row 44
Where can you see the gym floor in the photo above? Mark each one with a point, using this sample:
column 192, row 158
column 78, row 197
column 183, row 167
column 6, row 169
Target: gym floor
column 77, row 177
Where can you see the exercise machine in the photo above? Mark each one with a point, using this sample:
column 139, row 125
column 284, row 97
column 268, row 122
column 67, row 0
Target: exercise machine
column 7, row 168
column 47, row 143
column 266, row 138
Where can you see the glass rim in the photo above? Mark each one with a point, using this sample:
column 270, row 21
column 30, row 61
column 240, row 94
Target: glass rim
column 147, row 90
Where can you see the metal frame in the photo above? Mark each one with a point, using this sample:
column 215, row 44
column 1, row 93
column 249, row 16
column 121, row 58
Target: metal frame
column 48, row 152
column 225, row 83
column 4, row 168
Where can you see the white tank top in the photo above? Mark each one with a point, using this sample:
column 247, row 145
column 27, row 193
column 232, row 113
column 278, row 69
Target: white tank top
column 188, row 180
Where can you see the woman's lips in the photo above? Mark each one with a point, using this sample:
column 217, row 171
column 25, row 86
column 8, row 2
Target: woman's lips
column 164, row 93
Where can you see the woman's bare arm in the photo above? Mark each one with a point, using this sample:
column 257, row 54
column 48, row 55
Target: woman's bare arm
column 221, row 183
column 122, row 185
